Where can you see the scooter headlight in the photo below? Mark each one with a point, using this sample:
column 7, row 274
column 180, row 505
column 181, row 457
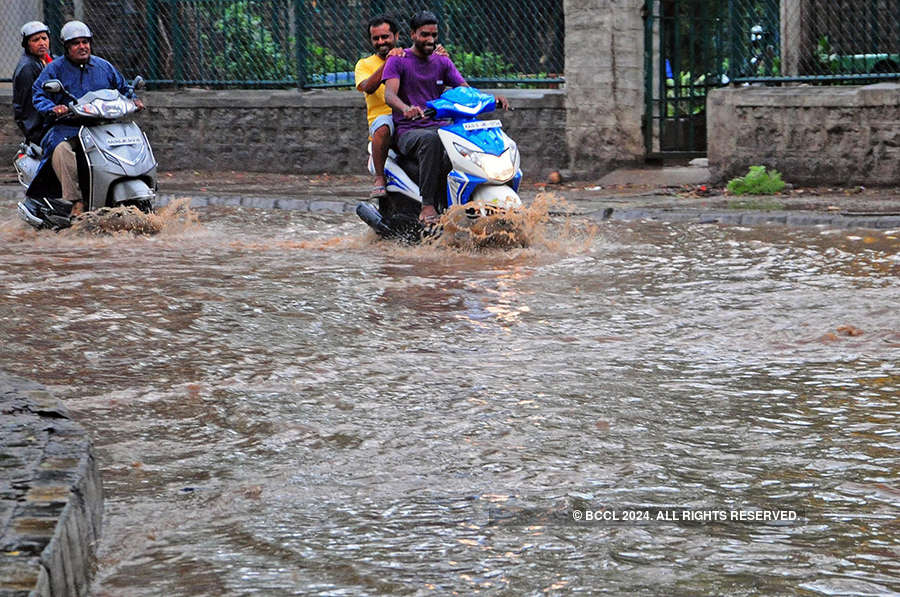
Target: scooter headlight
column 114, row 108
column 498, row 168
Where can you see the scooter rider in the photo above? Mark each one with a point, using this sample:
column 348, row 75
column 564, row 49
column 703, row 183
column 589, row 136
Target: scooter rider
column 382, row 34
column 410, row 81
column 79, row 72
column 36, row 44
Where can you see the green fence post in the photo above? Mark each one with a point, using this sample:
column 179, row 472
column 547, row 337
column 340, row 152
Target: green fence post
column 300, row 36
column 152, row 40
column 53, row 19
column 732, row 38
column 177, row 54
column 648, row 75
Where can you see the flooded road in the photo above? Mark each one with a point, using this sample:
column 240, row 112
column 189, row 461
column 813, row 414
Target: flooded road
column 281, row 406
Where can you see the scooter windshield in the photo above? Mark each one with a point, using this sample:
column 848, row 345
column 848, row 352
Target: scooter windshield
column 462, row 102
column 104, row 103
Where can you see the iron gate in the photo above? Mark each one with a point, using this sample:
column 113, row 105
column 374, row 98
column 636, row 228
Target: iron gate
column 686, row 55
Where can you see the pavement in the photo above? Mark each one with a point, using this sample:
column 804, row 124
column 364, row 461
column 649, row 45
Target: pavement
column 671, row 193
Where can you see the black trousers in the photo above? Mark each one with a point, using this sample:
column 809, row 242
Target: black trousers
column 424, row 146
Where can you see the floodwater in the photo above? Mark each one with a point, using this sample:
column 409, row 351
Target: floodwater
column 282, row 406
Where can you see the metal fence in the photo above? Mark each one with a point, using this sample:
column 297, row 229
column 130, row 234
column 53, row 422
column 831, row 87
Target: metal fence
column 711, row 42
column 308, row 43
column 814, row 40
column 693, row 46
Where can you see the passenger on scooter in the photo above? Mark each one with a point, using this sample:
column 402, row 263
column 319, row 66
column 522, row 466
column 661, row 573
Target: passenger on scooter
column 36, row 44
column 382, row 33
column 410, row 82
column 79, row 72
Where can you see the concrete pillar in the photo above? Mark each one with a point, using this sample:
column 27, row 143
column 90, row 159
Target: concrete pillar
column 604, row 84
column 795, row 34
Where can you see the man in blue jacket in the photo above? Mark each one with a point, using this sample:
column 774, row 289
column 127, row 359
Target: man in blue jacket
column 79, row 72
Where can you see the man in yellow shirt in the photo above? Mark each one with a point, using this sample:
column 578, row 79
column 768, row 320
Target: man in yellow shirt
column 383, row 34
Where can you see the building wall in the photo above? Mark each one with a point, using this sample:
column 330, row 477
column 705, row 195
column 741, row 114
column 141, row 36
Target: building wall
column 812, row 135
column 604, row 83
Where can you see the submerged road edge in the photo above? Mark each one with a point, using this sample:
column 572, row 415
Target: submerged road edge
column 51, row 495
column 649, row 207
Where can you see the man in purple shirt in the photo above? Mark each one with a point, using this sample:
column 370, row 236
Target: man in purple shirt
column 410, row 81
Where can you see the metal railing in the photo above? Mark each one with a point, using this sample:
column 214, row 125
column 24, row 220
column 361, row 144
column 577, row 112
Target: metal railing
column 817, row 41
column 308, row 43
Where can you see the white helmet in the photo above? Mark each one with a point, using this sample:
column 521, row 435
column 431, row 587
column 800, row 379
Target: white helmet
column 31, row 28
column 74, row 30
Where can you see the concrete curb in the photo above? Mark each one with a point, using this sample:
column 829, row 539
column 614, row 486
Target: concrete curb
column 595, row 207
column 51, row 495
column 696, row 216
column 256, row 202
column 754, row 218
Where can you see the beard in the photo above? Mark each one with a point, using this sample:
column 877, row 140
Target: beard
column 426, row 47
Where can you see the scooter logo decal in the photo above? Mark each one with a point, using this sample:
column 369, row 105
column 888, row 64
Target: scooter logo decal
column 115, row 142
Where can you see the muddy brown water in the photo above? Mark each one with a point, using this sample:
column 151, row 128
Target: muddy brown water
column 281, row 405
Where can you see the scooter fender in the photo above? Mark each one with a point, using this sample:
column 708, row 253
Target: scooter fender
column 114, row 152
column 498, row 196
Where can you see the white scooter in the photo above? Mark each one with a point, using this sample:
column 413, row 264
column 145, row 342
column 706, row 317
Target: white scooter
column 120, row 166
column 485, row 173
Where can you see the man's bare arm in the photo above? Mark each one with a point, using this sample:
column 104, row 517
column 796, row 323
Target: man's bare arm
column 372, row 84
column 393, row 100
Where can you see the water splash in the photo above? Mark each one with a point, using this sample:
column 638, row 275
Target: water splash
column 535, row 225
column 174, row 218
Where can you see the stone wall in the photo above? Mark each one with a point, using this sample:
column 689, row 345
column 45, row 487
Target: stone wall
column 306, row 132
column 604, row 84
column 840, row 135
column 51, row 497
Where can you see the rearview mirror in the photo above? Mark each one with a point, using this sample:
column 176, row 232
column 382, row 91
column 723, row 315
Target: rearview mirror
column 53, row 86
column 139, row 82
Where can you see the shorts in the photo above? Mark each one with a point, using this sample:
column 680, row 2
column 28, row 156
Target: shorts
column 380, row 121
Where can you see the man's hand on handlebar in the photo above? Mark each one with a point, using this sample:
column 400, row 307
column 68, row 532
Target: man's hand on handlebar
column 502, row 101
column 60, row 109
column 138, row 104
column 413, row 113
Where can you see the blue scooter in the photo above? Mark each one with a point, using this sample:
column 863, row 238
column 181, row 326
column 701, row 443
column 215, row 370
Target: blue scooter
column 485, row 172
